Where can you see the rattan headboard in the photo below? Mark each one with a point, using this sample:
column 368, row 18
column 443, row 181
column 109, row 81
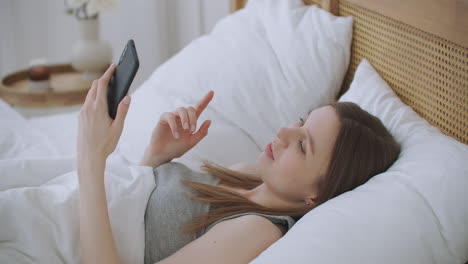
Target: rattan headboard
column 428, row 72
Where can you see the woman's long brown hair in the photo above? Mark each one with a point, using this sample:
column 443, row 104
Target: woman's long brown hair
column 363, row 148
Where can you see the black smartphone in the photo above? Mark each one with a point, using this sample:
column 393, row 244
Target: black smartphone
column 123, row 76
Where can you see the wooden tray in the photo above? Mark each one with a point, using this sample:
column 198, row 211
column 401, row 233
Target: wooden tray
column 66, row 88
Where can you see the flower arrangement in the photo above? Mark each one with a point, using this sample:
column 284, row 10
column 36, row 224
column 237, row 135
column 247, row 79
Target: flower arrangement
column 88, row 9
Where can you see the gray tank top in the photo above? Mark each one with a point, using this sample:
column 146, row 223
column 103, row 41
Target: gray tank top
column 169, row 208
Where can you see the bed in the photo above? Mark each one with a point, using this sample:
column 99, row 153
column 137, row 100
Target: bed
column 419, row 48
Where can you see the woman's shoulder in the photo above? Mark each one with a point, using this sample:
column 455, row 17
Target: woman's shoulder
column 262, row 221
column 261, row 225
column 280, row 224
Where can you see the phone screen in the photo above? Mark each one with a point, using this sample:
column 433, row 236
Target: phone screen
column 123, row 76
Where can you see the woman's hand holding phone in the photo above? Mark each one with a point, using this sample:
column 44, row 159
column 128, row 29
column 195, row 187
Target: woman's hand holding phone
column 175, row 134
column 98, row 133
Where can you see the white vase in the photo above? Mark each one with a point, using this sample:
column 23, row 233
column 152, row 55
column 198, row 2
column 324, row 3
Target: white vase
column 90, row 54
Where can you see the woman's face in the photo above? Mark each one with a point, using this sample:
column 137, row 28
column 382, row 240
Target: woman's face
column 300, row 155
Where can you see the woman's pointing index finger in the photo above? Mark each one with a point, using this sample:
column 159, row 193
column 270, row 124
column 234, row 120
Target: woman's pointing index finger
column 204, row 103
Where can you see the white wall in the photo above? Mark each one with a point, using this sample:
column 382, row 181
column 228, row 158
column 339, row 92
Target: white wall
column 40, row 28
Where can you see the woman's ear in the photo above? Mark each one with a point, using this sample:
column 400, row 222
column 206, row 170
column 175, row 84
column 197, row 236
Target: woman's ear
column 311, row 200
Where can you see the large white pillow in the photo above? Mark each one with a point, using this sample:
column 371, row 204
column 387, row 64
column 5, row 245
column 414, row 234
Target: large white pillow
column 271, row 53
column 416, row 212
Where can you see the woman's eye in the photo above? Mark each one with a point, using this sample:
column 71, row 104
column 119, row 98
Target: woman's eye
column 301, row 147
column 301, row 123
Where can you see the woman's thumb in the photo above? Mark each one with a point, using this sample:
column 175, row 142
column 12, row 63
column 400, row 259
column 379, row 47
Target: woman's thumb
column 122, row 110
column 202, row 132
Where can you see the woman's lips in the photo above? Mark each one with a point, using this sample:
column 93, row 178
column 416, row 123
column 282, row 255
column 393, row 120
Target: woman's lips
column 269, row 151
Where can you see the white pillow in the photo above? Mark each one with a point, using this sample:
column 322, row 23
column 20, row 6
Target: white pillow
column 268, row 54
column 416, row 212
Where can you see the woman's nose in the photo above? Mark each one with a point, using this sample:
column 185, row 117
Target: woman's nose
column 284, row 135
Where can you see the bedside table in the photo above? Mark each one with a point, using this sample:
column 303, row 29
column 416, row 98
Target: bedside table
column 66, row 93
column 29, row 112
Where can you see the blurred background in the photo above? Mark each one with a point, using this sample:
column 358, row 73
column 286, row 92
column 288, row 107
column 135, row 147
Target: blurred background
column 41, row 29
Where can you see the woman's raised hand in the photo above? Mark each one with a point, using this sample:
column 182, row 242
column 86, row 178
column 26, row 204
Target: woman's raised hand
column 98, row 133
column 175, row 134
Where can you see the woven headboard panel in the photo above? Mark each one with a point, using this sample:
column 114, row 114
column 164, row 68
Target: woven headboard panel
column 428, row 73
column 238, row 4
column 314, row 2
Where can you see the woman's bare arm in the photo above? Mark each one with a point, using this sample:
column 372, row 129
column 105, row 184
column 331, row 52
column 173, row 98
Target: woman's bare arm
column 96, row 238
column 229, row 242
column 151, row 160
column 98, row 135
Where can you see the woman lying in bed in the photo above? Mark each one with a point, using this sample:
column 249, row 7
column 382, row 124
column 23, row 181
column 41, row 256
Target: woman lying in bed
column 226, row 214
